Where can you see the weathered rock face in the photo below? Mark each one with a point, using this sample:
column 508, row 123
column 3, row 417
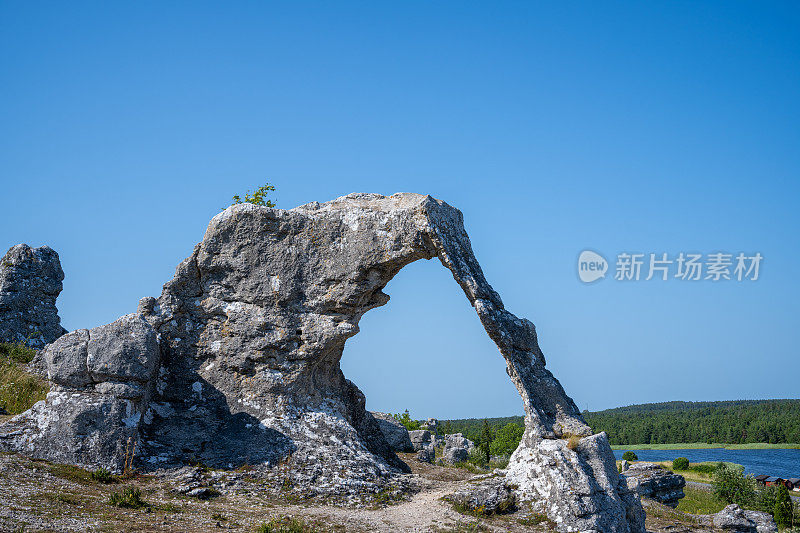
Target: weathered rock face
column 102, row 379
column 420, row 438
column 456, row 448
column 30, row 282
column 252, row 328
column 457, row 440
column 734, row 518
column 394, row 432
column 653, row 481
column 452, row 456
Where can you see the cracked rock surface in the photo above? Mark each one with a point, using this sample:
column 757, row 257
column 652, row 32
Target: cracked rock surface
column 250, row 333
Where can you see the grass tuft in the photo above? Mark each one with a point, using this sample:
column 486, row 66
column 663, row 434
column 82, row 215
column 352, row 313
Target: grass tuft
column 286, row 524
column 71, row 473
column 536, row 519
column 129, row 498
column 102, row 475
column 19, row 390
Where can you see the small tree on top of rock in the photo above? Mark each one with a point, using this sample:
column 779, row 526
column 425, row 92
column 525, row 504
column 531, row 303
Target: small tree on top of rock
column 259, row 197
column 629, row 456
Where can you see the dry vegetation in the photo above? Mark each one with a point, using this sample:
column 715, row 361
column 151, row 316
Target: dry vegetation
column 19, row 390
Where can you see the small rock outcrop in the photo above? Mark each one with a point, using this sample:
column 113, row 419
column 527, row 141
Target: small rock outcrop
column 394, row 432
column 426, row 455
column 485, row 497
column 103, row 378
column 250, row 333
column 456, row 448
column 653, row 481
column 733, row 518
column 30, row 282
column 420, row 438
column 431, row 425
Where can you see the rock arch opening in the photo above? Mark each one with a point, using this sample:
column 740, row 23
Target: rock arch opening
column 425, row 351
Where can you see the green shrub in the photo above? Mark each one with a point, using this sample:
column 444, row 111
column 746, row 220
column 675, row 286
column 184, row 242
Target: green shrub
column 129, row 497
column 783, row 509
column 101, row 475
column 704, row 468
column 18, row 353
column 405, row 419
column 485, row 442
column 506, row 439
column 680, row 463
column 765, row 499
column 629, row 456
column 477, row 458
column 731, row 485
column 258, row 197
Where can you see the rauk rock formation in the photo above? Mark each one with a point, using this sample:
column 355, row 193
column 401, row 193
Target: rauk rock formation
column 30, row 282
column 250, row 333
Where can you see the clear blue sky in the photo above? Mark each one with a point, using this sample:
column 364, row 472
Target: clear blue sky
column 641, row 126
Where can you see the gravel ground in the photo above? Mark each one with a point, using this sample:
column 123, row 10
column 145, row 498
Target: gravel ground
column 39, row 496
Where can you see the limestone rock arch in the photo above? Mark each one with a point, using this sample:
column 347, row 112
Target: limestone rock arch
column 252, row 328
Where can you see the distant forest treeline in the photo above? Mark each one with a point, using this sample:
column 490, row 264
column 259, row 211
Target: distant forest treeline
column 733, row 422
column 729, row 422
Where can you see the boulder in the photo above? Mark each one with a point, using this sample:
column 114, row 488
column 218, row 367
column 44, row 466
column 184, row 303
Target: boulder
column 431, row 425
column 456, row 448
column 653, row 481
column 251, row 330
column 420, row 438
column 455, row 455
column 734, row 518
column 457, row 440
column 30, row 282
column 93, row 414
column 426, row 455
column 485, row 497
column 394, row 432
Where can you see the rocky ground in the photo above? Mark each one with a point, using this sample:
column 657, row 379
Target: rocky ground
column 40, row 496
